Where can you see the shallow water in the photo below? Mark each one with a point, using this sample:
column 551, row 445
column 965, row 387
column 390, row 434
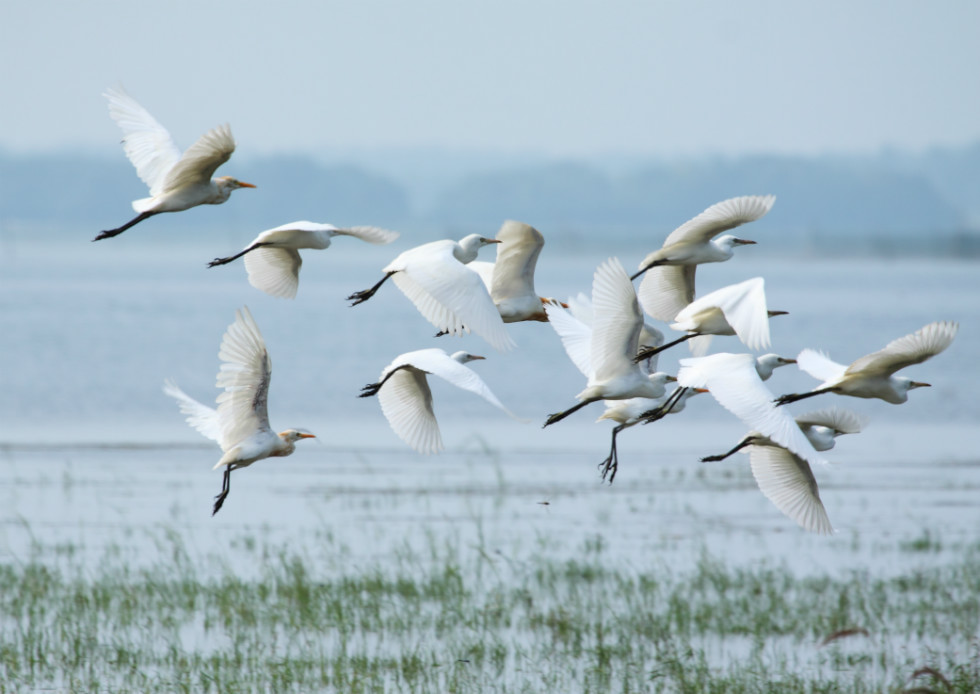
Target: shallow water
column 92, row 452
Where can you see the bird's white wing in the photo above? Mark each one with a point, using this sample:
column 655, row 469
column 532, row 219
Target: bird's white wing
column 517, row 255
column 147, row 144
column 438, row 363
column 700, row 344
column 576, row 337
column 735, row 384
column 199, row 162
column 274, row 270
column 375, row 235
column 844, row 421
column 616, row 321
column 665, row 290
column 245, row 373
column 744, row 306
column 451, row 296
column 924, row 343
column 199, row 416
column 819, row 365
column 485, row 270
column 788, row 482
column 720, row 217
column 406, row 402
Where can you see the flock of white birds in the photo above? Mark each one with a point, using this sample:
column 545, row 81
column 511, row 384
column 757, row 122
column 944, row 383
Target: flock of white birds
column 606, row 336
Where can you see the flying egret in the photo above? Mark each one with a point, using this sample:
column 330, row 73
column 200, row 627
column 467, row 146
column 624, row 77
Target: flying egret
column 733, row 380
column 785, row 478
column 406, row 400
column 738, row 309
column 580, row 307
column 273, row 260
column 693, row 243
column 872, row 376
column 612, row 343
column 176, row 181
column 240, row 424
column 448, row 294
column 635, row 410
column 510, row 280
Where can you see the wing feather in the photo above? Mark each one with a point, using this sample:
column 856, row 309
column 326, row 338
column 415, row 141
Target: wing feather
column 844, row 421
column 201, row 160
column 616, row 321
column 244, row 375
column 406, row 402
column 199, row 416
column 517, row 257
column 665, row 290
column 147, row 144
column 576, row 337
column 274, row 270
column 788, row 482
column 924, row 343
column 375, row 235
column 722, row 216
column 820, row 366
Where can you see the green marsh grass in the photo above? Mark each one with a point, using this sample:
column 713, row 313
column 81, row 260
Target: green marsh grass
column 453, row 618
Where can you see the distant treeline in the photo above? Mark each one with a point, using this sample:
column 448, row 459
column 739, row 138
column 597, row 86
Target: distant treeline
column 884, row 202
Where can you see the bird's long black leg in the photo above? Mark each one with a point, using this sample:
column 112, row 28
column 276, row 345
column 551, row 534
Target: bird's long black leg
column 747, row 441
column 648, row 352
column 558, row 416
column 655, row 263
column 109, row 233
column 224, row 261
column 610, row 465
column 364, row 295
column 795, row 397
column 664, row 410
column 373, row 388
column 225, row 488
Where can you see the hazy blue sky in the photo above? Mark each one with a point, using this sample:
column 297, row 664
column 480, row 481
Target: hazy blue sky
column 567, row 78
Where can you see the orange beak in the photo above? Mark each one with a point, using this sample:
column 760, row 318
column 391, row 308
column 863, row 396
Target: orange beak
column 246, row 185
column 305, row 436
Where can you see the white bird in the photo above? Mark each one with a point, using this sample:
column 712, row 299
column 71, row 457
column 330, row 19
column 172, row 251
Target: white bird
column 733, row 380
column 406, row 400
column 240, row 424
column 580, row 307
column 669, row 287
column 738, row 309
column 872, row 376
column 612, row 344
column 273, row 260
column 448, row 294
column 176, row 181
column 510, row 280
column 785, row 478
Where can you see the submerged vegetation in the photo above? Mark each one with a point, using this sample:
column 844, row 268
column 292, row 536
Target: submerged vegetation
column 454, row 618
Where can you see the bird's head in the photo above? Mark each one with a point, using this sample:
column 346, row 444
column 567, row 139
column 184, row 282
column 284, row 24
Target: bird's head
column 463, row 357
column 229, row 183
column 728, row 242
column 765, row 364
column 294, row 435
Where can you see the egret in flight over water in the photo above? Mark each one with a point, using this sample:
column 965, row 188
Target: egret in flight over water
column 448, row 294
column 273, row 261
column 240, row 424
column 406, row 399
column 872, row 376
column 176, row 181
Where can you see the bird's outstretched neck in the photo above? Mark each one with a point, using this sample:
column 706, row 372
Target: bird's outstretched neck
column 109, row 233
column 362, row 296
column 648, row 352
column 795, row 397
column 225, row 261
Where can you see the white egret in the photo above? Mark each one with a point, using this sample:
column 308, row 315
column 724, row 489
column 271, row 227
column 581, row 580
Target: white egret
column 691, row 244
column 612, row 343
column 872, row 376
column 580, row 307
column 785, row 478
column 406, row 400
column 733, row 380
column 510, row 280
column 273, row 260
column 176, row 181
column 448, row 294
column 738, row 309
column 240, row 424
